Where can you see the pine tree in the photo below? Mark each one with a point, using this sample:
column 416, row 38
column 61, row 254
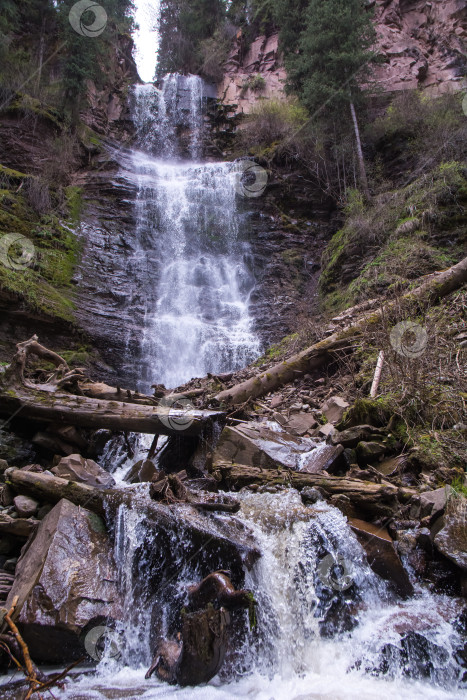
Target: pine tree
column 331, row 59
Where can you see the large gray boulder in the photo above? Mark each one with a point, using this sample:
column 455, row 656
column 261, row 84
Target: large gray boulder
column 257, row 446
column 77, row 468
column 65, row 580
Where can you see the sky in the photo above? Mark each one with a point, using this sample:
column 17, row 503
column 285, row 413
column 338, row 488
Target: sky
column 146, row 38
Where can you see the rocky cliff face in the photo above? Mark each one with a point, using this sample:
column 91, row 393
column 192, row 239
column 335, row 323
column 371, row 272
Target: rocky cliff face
column 35, row 140
column 422, row 44
column 262, row 59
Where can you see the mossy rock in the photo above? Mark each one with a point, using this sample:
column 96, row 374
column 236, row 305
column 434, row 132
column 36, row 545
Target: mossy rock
column 377, row 412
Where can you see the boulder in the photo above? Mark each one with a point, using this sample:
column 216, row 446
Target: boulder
column 334, row 408
column 451, row 539
column 141, row 471
column 20, row 527
column 25, row 506
column 310, row 495
column 326, row 430
column 260, row 447
column 369, row 452
column 77, row 468
column 352, row 436
column 325, row 458
column 390, row 466
column 381, row 554
column 300, row 423
column 433, row 503
column 65, row 579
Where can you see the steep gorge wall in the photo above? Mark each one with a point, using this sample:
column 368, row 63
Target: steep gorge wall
column 421, row 44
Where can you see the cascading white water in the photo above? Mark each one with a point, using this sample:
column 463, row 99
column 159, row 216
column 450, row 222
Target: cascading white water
column 317, row 637
column 289, row 655
column 188, row 252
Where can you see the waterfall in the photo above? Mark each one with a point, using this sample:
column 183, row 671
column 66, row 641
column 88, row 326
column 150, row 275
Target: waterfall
column 190, row 254
column 318, row 636
column 327, row 627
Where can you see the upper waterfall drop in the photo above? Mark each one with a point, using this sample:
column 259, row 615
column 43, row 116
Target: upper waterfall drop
column 190, row 253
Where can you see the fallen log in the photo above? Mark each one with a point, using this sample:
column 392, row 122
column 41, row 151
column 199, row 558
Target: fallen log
column 432, row 289
column 114, row 415
column 200, row 527
column 371, row 498
column 48, row 402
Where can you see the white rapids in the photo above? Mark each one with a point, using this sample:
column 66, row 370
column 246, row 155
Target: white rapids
column 285, row 658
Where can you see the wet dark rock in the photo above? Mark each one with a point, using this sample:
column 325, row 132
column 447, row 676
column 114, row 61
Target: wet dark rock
column 19, row 527
column 217, row 588
column 65, row 578
column 345, row 505
column 350, row 458
column 415, row 655
column 53, row 443
column 381, row 555
column 339, row 618
column 196, row 653
column 142, row 471
column 310, row 495
column 25, row 506
column 77, row 468
column 352, row 436
column 205, row 639
column 424, row 539
column 43, row 511
column 451, row 538
column 7, row 496
column 369, row 452
column 7, row 544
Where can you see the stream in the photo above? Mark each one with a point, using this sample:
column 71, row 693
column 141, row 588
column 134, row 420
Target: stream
column 316, row 636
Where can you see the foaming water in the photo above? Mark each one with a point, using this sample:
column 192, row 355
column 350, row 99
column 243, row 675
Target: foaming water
column 286, row 657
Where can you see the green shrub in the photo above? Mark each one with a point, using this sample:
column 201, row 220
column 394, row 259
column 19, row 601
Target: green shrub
column 272, row 121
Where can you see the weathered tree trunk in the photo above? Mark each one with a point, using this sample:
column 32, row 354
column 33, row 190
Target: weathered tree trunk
column 81, row 411
column 433, row 288
column 202, row 528
column 49, row 402
column 361, row 161
column 375, row 499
